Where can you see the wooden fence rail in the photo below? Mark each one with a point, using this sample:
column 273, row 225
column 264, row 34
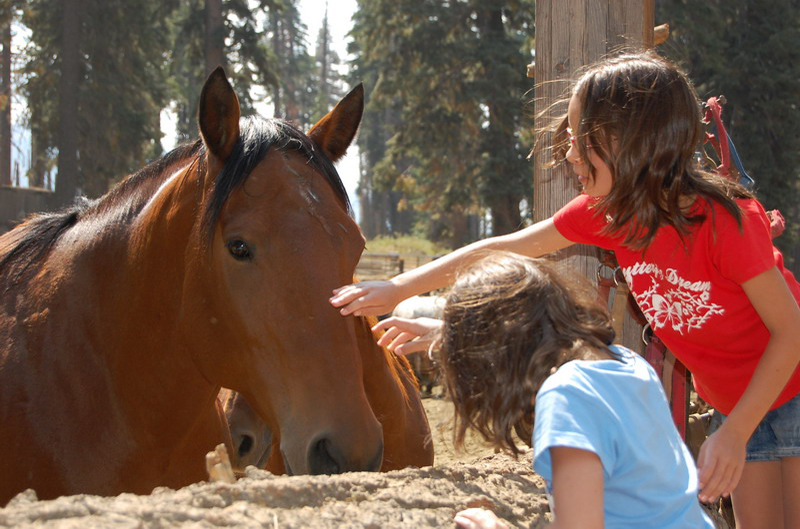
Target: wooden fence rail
column 385, row 265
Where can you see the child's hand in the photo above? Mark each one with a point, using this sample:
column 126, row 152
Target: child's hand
column 367, row 298
column 720, row 464
column 477, row 518
column 405, row 336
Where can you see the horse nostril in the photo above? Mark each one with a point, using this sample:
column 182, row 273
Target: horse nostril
column 321, row 460
column 246, row 443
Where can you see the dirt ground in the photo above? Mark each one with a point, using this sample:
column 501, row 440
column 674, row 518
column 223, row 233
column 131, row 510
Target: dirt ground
column 427, row 497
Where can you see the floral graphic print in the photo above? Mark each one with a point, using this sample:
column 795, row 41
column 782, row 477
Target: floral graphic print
column 671, row 301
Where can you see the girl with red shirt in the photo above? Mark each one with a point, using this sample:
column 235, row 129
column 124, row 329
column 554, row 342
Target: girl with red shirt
column 697, row 254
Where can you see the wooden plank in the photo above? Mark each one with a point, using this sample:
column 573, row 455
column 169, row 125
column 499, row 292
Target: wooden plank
column 648, row 24
column 597, row 41
column 616, row 26
column 385, row 265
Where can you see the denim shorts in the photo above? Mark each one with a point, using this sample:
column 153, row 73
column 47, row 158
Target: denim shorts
column 777, row 435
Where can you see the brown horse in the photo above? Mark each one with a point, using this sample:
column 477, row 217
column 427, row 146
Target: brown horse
column 122, row 318
column 393, row 394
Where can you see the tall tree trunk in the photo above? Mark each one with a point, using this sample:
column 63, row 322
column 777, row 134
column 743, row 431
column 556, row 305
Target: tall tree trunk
column 324, row 60
column 506, row 217
column 215, row 41
column 36, row 174
column 67, row 140
column 277, row 49
column 501, row 199
column 5, row 108
column 291, row 104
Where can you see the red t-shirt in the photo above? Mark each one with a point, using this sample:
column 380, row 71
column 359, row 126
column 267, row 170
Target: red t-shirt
column 690, row 291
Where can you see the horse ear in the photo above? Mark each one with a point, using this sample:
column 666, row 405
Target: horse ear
column 218, row 117
column 334, row 133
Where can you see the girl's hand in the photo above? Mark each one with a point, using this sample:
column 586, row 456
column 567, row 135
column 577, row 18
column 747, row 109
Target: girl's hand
column 367, row 298
column 720, row 463
column 477, row 518
column 405, row 336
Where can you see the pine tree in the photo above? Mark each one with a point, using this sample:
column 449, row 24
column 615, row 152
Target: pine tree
column 748, row 51
column 95, row 84
column 209, row 33
column 295, row 82
column 455, row 75
column 382, row 209
column 329, row 80
column 68, row 101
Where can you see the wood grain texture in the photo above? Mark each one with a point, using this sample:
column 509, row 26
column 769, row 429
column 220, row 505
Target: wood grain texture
column 571, row 34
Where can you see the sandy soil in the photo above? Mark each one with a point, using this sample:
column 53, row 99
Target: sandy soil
column 427, row 497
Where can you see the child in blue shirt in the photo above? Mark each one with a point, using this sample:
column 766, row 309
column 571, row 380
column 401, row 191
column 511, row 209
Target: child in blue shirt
column 517, row 334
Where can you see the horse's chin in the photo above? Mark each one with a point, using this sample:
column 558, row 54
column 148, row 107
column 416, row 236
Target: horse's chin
column 259, row 461
column 286, row 464
column 262, row 461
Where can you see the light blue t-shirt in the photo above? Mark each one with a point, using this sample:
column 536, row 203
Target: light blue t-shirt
column 619, row 411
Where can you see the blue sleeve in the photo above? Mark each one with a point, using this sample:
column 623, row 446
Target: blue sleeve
column 574, row 419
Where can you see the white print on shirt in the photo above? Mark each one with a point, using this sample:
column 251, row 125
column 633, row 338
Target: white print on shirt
column 672, row 300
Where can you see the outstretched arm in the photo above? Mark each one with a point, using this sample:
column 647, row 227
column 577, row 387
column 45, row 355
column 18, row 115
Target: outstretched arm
column 380, row 297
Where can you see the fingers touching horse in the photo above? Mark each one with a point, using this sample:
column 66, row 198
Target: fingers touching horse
column 122, row 318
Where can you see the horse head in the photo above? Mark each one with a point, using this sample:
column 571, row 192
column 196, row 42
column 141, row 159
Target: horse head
column 275, row 238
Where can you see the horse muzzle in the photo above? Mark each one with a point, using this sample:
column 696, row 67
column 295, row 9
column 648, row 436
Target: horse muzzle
column 325, row 456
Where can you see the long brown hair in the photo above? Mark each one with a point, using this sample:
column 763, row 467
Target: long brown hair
column 646, row 108
column 509, row 322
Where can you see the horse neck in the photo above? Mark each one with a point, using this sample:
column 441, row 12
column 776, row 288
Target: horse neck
column 98, row 317
column 138, row 293
column 157, row 243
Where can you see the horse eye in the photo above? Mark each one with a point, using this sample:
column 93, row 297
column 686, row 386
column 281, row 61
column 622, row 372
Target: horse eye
column 239, row 250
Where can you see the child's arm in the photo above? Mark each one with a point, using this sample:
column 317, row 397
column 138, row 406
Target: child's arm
column 380, row 297
column 577, row 488
column 722, row 456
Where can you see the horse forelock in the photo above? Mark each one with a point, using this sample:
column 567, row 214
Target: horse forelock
column 257, row 136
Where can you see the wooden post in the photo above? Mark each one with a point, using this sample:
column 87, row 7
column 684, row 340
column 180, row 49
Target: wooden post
column 571, row 34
